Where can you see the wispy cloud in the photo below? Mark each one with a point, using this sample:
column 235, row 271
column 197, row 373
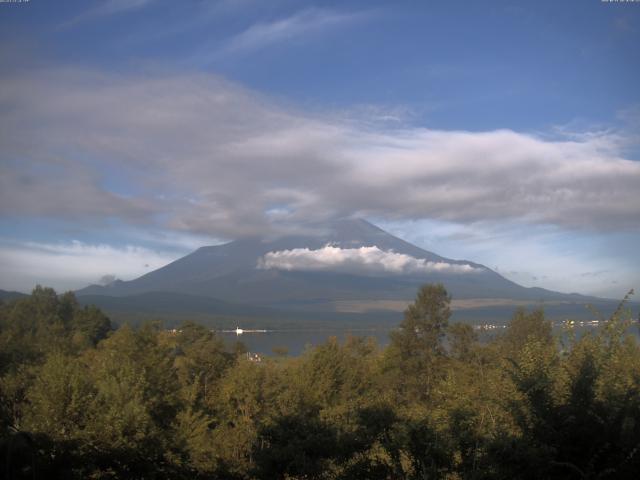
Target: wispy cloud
column 105, row 9
column 565, row 260
column 370, row 260
column 74, row 264
column 594, row 274
column 265, row 34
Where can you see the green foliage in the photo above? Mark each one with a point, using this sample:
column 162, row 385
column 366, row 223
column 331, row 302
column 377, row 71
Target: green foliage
column 525, row 327
column 44, row 322
column 416, row 347
column 462, row 339
column 424, row 325
column 60, row 399
column 298, row 446
column 79, row 400
column 579, row 415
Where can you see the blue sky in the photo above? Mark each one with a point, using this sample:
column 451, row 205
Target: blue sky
column 501, row 132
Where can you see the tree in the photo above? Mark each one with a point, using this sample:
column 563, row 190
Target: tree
column 525, row 327
column 578, row 412
column 417, row 345
column 91, row 324
column 462, row 339
column 297, row 446
column 60, row 399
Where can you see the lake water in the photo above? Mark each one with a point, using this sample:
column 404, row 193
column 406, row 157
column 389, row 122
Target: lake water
column 295, row 341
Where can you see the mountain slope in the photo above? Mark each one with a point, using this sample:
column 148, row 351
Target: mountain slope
column 11, row 295
column 231, row 272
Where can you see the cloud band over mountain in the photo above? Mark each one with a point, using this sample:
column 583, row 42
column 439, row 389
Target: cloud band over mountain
column 231, row 163
column 357, row 260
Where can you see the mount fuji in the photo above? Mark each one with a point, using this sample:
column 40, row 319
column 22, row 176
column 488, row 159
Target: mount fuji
column 346, row 267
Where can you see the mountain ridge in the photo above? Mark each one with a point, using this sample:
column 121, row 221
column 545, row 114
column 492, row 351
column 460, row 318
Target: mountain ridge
column 230, row 273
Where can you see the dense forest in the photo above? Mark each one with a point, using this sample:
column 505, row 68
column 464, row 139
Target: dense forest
column 80, row 399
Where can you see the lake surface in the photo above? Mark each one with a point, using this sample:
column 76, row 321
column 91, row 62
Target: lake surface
column 295, row 341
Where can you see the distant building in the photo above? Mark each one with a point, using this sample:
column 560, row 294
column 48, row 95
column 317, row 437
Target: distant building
column 254, row 357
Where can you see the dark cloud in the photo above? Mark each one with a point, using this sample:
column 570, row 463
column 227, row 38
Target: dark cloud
column 107, row 279
column 64, row 189
column 597, row 273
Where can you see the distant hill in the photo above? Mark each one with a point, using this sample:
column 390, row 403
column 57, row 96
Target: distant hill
column 172, row 309
column 232, row 279
column 9, row 295
column 175, row 308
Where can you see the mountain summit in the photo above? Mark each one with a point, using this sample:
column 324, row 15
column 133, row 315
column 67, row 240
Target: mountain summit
column 345, row 260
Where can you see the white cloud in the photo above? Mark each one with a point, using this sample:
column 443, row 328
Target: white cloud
column 264, row 34
column 223, row 157
column 73, row 265
column 357, row 260
column 204, row 156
